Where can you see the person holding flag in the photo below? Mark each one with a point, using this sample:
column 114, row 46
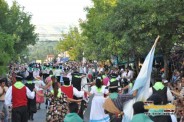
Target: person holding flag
column 142, row 84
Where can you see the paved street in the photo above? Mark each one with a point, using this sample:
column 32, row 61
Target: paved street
column 40, row 115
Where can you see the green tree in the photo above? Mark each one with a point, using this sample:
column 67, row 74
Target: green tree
column 73, row 42
column 21, row 27
column 40, row 52
column 98, row 39
column 16, row 32
column 128, row 27
column 6, row 51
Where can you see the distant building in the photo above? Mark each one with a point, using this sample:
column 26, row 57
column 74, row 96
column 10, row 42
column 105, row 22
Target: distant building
column 50, row 58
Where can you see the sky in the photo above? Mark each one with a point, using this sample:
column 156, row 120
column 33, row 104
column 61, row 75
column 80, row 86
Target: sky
column 54, row 16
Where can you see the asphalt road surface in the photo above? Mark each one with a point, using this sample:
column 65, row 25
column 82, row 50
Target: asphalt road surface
column 40, row 115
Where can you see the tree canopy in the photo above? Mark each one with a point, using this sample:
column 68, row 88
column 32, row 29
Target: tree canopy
column 73, row 42
column 16, row 32
column 127, row 28
column 40, row 52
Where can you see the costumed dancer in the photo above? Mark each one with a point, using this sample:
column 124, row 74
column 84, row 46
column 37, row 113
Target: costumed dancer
column 39, row 84
column 57, row 72
column 58, row 104
column 113, row 94
column 17, row 96
column 141, row 84
column 71, row 91
column 36, row 72
column 97, row 112
column 129, row 86
column 157, row 100
column 48, row 85
column 76, row 80
column 31, row 102
column 161, row 90
column 114, row 81
column 114, row 105
column 105, row 78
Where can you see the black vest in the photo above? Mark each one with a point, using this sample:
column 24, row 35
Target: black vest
column 76, row 80
column 162, row 93
column 165, row 118
column 113, row 82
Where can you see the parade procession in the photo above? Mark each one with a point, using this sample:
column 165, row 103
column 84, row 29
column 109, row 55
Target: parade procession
column 91, row 61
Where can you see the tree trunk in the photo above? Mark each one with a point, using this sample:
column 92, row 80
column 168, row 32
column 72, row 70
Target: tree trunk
column 136, row 62
column 165, row 66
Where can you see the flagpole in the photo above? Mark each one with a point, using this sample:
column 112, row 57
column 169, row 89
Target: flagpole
column 156, row 40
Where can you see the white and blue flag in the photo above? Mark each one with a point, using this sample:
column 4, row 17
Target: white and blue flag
column 141, row 84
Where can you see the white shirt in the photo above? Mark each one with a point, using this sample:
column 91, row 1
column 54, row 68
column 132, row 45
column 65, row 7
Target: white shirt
column 173, row 118
column 131, row 74
column 126, row 75
column 103, row 91
column 27, row 73
column 84, row 70
column 57, row 72
column 77, row 93
column 39, row 83
column 169, row 94
column 83, row 82
column 8, row 95
column 36, row 73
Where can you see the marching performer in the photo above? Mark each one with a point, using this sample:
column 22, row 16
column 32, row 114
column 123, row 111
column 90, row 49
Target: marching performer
column 17, row 96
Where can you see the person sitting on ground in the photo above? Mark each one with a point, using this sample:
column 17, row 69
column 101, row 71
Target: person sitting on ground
column 73, row 116
column 139, row 115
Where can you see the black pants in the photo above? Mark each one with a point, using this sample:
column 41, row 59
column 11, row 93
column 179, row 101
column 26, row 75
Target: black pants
column 19, row 114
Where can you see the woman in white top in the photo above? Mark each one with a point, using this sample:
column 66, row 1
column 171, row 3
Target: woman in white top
column 97, row 110
column 38, row 85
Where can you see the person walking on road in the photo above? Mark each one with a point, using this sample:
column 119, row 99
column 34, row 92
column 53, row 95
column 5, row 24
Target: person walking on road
column 17, row 96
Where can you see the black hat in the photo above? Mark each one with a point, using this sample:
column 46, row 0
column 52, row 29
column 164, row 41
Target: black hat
column 30, row 76
column 158, row 78
column 114, row 75
column 66, row 80
column 19, row 78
